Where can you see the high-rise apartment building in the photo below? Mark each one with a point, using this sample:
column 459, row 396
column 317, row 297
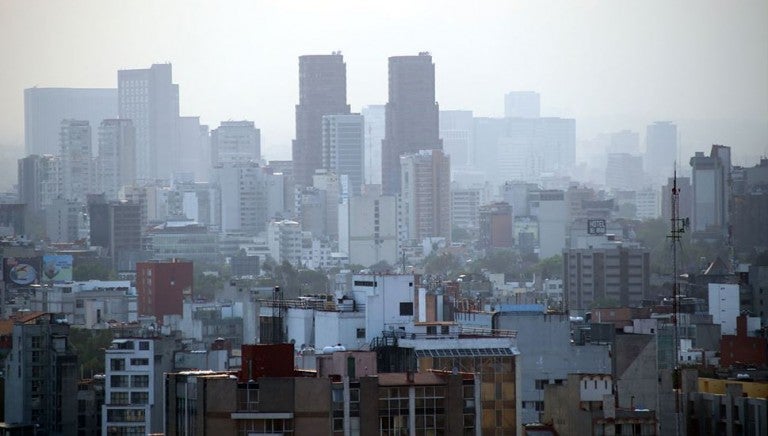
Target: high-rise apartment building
column 37, row 175
column 322, row 91
column 195, row 144
column 234, row 142
column 375, row 121
column 412, row 115
column 133, row 385
column 522, row 104
column 45, row 108
column 465, row 207
column 41, row 375
column 426, row 194
column 76, row 160
column 711, row 190
column 605, row 274
column 116, row 163
column 284, row 241
column 344, row 150
column 250, row 196
column 117, row 227
column 368, row 229
column 150, row 99
column 660, row 150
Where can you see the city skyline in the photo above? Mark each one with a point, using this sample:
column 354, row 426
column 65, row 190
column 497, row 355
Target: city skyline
column 568, row 58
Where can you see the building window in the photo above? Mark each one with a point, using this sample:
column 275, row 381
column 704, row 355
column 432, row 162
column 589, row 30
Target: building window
column 139, row 362
column 118, row 398
column 118, row 381
column 117, row 364
column 140, row 397
column 361, row 333
column 140, row 381
column 144, row 345
column 541, row 383
column 406, row 309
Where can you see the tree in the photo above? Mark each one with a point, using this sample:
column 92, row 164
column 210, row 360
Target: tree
column 551, row 267
column 380, row 267
column 90, row 345
column 89, row 270
column 443, row 264
column 459, row 234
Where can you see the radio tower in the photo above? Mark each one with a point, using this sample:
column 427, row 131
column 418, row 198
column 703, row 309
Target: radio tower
column 675, row 235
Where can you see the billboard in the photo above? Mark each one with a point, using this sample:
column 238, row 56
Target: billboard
column 21, row 271
column 57, row 268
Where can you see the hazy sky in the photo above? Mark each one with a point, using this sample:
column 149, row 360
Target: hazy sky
column 610, row 64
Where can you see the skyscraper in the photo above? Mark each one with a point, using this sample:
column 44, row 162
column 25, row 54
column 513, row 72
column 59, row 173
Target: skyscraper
column 426, row 194
column 322, row 91
column 343, row 149
column 711, row 190
column 45, row 108
column 235, row 141
column 116, row 164
column 76, row 160
column 412, row 120
column 522, row 104
column 151, row 100
column 660, row 150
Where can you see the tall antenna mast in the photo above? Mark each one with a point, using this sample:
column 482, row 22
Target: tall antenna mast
column 678, row 226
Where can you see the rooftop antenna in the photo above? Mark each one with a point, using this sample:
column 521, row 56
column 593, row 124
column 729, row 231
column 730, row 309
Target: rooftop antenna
column 678, row 226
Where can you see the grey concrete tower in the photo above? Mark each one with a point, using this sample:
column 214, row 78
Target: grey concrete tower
column 412, row 122
column 322, row 91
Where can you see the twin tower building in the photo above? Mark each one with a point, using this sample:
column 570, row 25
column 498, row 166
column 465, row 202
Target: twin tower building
column 413, row 165
column 411, row 117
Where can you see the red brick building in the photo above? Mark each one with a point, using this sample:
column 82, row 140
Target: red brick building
column 162, row 286
column 496, row 226
column 741, row 349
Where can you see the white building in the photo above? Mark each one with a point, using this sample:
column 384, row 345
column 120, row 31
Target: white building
column 375, row 121
column 76, row 160
column 249, row 196
column 465, row 208
column 151, row 100
column 368, row 229
column 116, row 163
column 315, row 252
column 550, row 208
column 388, row 299
column 284, row 241
column 234, row 142
column 724, row 306
column 92, row 304
column 648, row 204
column 129, row 390
column 344, row 149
